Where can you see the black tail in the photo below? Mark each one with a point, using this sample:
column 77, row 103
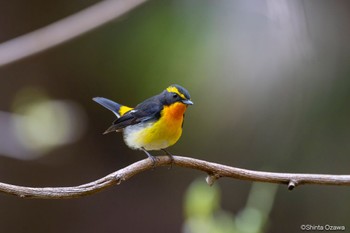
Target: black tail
column 109, row 104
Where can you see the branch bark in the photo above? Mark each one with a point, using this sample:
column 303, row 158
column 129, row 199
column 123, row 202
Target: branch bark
column 64, row 30
column 214, row 171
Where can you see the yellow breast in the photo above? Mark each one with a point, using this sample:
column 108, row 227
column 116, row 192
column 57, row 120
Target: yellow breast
column 159, row 135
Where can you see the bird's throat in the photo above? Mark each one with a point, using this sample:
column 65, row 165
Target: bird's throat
column 174, row 111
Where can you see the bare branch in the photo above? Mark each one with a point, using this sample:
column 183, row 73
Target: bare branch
column 64, row 30
column 214, row 170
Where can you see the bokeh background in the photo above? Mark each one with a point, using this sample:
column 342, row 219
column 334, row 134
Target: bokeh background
column 271, row 85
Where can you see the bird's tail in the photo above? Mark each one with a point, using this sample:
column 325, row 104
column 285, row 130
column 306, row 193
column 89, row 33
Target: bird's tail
column 118, row 109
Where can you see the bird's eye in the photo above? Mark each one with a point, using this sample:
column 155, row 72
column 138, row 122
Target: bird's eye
column 175, row 95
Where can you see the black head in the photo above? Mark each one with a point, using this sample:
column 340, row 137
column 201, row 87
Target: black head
column 176, row 93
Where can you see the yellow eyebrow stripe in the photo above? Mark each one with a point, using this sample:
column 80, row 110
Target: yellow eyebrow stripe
column 175, row 90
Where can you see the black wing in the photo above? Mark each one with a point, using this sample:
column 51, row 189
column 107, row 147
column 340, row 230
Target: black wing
column 149, row 110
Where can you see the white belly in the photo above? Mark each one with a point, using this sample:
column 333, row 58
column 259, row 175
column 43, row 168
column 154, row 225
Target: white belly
column 138, row 136
column 158, row 134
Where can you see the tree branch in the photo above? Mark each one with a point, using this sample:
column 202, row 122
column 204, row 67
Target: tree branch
column 214, row 170
column 64, row 30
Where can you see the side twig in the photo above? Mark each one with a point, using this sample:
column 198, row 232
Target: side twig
column 64, row 30
column 214, row 171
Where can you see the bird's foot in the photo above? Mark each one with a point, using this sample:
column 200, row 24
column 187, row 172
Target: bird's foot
column 154, row 160
column 170, row 156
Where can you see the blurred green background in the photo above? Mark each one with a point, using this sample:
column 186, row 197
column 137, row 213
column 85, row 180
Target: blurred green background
column 270, row 82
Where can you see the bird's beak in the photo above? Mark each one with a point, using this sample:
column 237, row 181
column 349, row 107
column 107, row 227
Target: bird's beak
column 188, row 102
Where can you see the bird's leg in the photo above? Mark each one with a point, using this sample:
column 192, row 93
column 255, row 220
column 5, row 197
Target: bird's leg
column 170, row 156
column 154, row 160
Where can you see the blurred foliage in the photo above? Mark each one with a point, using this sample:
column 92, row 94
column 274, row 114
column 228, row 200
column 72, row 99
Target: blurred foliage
column 204, row 214
column 43, row 124
column 270, row 82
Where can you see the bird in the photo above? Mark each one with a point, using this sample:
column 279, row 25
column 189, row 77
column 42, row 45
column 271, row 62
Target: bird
column 154, row 124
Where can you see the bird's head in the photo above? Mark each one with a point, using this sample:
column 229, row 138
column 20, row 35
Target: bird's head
column 176, row 93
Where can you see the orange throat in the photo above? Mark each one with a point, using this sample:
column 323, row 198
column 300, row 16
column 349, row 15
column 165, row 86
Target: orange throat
column 175, row 111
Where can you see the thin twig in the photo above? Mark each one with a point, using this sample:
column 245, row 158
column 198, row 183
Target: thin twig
column 214, row 171
column 64, row 30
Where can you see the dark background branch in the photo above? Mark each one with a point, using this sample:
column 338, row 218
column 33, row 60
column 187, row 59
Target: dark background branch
column 64, row 30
